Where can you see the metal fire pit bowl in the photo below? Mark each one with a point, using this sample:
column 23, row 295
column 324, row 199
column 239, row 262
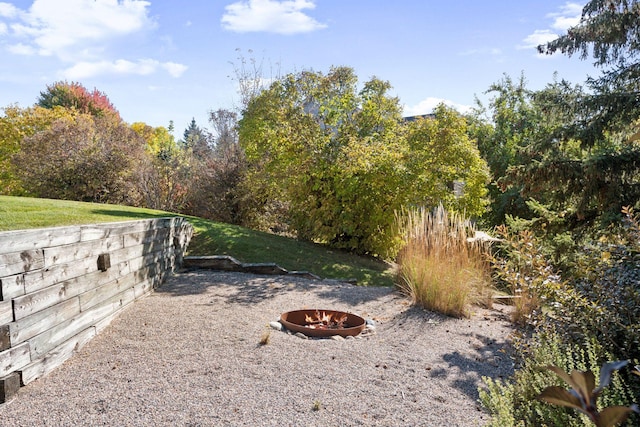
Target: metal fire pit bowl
column 295, row 321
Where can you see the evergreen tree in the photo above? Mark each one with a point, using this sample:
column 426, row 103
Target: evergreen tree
column 196, row 139
column 601, row 122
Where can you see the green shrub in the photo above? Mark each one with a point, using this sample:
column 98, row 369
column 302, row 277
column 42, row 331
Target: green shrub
column 439, row 266
column 574, row 321
column 513, row 402
column 523, row 270
column 583, row 394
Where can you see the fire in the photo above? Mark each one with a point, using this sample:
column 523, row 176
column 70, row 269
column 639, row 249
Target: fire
column 325, row 320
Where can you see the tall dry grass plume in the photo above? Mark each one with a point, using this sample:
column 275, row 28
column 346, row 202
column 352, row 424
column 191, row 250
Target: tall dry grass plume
column 441, row 266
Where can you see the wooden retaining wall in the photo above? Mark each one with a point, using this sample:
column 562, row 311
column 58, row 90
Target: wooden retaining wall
column 59, row 287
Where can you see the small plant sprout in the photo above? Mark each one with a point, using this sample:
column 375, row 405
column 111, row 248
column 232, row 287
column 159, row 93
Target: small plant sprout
column 317, row 405
column 583, row 394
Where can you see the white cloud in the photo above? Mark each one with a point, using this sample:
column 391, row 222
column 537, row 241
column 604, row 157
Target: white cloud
column 7, row 10
column 143, row 67
column 568, row 16
column 175, row 70
column 64, row 27
column 79, row 33
column 21, row 49
column 538, row 37
column 281, row 17
column 426, row 106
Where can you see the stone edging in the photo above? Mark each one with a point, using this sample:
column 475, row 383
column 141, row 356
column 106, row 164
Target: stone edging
column 228, row 263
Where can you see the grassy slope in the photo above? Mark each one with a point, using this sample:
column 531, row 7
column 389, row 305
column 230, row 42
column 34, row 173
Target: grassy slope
column 210, row 238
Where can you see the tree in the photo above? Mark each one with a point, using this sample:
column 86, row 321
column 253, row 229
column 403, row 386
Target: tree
column 511, row 124
column 74, row 95
column 339, row 161
column 605, row 123
column 165, row 179
column 81, row 157
column 446, row 165
column 217, row 189
column 196, row 140
column 15, row 125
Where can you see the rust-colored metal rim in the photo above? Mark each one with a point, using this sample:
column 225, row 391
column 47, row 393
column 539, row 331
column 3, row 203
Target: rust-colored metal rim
column 295, row 321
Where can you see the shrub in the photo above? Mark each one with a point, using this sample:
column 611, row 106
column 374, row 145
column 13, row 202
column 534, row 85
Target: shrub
column 440, row 267
column 592, row 315
column 84, row 158
column 513, row 402
column 523, row 269
column 583, row 395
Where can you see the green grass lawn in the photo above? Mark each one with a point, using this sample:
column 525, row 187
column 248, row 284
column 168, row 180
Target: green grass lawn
column 210, row 238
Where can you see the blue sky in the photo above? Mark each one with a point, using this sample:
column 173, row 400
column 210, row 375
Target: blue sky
column 162, row 60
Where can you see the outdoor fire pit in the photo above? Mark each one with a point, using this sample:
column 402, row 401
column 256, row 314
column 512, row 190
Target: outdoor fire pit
column 323, row 323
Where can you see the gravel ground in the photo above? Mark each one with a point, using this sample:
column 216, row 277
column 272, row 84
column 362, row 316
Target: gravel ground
column 190, row 355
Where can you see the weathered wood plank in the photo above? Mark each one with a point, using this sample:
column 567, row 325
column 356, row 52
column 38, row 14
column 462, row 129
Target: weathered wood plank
column 32, row 303
column 140, row 263
column 11, row 287
column 41, row 299
column 56, row 357
column 9, row 386
column 91, row 249
column 24, row 240
column 214, row 262
column 51, row 338
column 148, row 237
column 37, row 323
column 125, row 300
column 14, row 359
column 5, row 338
column 80, row 285
column 6, row 312
column 20, row 262
column 100, row 231
column 126, row 254
column 143, row 288
column 102, row 293
column 59, row 273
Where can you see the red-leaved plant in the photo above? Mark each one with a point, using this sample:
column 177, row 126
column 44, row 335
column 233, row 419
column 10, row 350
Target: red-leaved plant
column 583, row 394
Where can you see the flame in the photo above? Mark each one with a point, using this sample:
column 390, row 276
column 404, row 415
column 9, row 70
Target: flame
column 325, row 320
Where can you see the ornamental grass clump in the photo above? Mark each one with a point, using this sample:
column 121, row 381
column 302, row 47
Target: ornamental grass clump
column 441, row 266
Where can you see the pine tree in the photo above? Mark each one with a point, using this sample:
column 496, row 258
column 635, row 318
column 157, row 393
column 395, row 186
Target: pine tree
column 603, row 121
column 196, row 139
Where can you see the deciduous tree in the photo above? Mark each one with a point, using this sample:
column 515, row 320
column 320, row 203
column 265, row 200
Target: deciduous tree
column 74, row 95
column 15, row 125
column 81, row 157
column 343, row 161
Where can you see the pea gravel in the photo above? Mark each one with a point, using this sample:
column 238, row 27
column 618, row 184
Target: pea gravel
column 190, row 354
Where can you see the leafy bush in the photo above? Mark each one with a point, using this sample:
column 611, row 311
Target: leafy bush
column 341, row 161
column 584, row 394
column 523, row 270
column 513, row 402
column 440, row 267
column 591, row 312
column 84, row 158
